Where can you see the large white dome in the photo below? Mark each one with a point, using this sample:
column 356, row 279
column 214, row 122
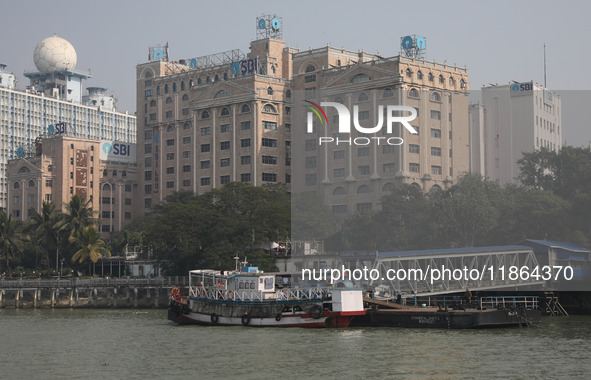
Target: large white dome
column 55, row 53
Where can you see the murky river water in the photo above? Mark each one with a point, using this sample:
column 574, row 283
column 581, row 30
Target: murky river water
column 143, row 344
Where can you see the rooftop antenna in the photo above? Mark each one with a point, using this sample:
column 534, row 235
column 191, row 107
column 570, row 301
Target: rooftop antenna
column 545, row 65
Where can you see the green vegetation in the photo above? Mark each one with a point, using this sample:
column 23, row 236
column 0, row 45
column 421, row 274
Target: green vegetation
column 208, row 231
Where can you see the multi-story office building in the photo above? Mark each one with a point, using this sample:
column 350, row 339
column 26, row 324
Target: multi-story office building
column 512, row 119
column 53, row 104
column 227, row 117
column 353, row 176
column 63, row 166
column 207, row 121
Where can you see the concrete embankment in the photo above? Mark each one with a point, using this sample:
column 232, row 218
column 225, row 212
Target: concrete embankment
column 89, row 293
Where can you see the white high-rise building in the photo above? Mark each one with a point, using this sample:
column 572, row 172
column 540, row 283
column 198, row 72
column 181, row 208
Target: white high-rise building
column 53, row 103
column 512, row 119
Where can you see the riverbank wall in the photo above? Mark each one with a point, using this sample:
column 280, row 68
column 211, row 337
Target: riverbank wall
column 90, row 293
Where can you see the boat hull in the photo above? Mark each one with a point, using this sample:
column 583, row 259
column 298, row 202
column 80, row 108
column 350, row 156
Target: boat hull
column 183, row 314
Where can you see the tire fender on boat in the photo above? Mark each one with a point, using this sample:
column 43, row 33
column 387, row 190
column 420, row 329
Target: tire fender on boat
column 316, row 311
column 245, row 320
column 278, row 317
column 214, row 319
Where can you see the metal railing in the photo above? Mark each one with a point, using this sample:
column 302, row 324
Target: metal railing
column 220, row 294
column 169, row 281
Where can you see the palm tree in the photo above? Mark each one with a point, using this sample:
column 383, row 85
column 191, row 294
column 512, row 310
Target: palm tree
column 11, row 238
column 47, row 225
column 91, row 246
column 79, row 214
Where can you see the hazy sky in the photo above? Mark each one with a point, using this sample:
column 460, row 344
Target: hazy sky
column 498, row 41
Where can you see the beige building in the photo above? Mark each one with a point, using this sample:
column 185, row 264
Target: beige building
column 202, row 127
column 63, row 166
column 353, row 176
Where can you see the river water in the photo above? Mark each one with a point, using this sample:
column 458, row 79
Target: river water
column 144, row 344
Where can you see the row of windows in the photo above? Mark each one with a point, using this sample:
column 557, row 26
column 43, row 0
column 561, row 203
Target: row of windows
column 431, row 78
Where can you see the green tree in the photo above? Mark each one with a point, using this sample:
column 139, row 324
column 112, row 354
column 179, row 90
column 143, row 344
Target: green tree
column 11, row 238
column 46, row 228
column 90, row 246
column 79, row 215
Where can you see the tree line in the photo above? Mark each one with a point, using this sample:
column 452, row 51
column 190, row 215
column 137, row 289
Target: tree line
column 41, row 242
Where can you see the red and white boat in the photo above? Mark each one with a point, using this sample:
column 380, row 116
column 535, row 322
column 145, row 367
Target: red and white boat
column 249, row 298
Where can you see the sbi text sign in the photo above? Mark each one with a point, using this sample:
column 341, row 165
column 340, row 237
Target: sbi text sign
column 117, row 151
column 524, row 88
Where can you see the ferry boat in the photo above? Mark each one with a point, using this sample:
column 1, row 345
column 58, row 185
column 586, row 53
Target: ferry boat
column 249, row 297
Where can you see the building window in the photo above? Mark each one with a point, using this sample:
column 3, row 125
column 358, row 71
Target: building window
column 185, row 111
column 363, row 97
column 224, row 145
column 441, row 79
column 224, row 128
column 389, row 168
column 170, row 170
column 147, row 202
column 245, row 177
column 338, row 173
column 205, row 148
column 269, row 90
column 186, row 154
column 168, row 114
column 339, row 154
column 287, row 127
column 244, row 125
column 363, row 170
column 388, row 93
column 170, row 142
column 311, row 162
column 205, row 181
column 205, row 164
column 408, row 72
column 205, row 131
column 170, row 184
column 311, row 179
column 128, row 201
column 147, row 148
column 186, row 182
column 413, row 148
column 245, row 160
column 205, row 114
column 147, row 134
column 435, row 115
column 245, row 108
column 436, row 133
column 310, row 93
column 244, row 143
column 269, row 177
column 148, row 162
column 187, row 140
column 414, row 168
column 310, row 78
column 48, row 183
column 148, row 93
column 387, row 149
column 269, row 109
column 311, row 145
column 48, row 197
column 339, row 209
column 430, row 77
column 128, row 188
column 435, row 97
column 148, row 175
column 186, row 168
column 127, row 215
column 413, row 93
column 169, row 156
column 224, row 162
column 363, row 115
column 363, row 152
column 169, row 100
column 270, row 125
column 225, row 112
column 419, row 75
column 435, row 151
column 270, row 143
column 269, row 160
column 185, row 98
column 436, row 170
column 224, row 179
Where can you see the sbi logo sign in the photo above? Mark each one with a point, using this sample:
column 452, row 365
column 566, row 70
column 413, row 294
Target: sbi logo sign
column 117, row 151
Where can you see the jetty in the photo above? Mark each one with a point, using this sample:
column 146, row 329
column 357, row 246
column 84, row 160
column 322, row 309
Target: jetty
column 102, row 292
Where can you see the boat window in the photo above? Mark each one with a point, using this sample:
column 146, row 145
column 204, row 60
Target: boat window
column 241, row 285
column 252, row 285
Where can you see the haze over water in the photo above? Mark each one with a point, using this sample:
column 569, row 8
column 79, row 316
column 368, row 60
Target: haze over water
column 144, row 344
